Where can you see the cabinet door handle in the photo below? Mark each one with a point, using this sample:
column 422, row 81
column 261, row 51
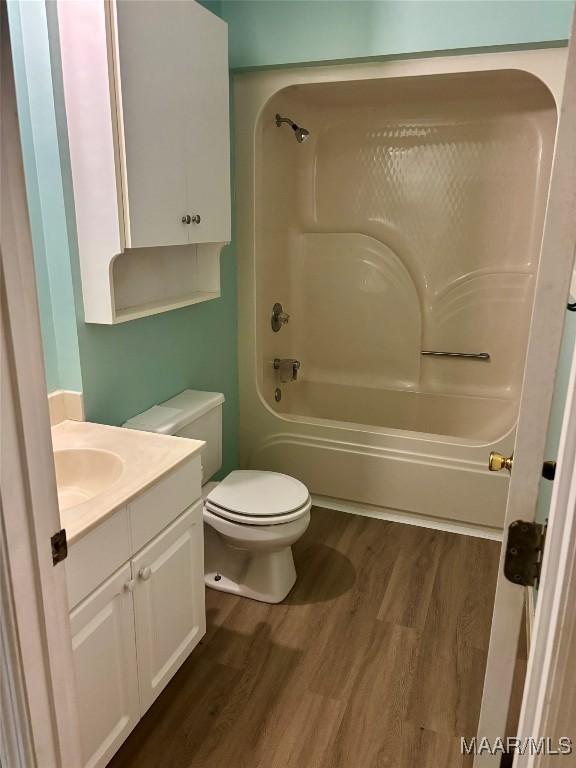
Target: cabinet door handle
column 195, row 219
column 186, row 219
column 130, row 585
column 145, row 573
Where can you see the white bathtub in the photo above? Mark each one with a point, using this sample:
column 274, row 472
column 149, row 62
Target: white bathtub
column 410, row 220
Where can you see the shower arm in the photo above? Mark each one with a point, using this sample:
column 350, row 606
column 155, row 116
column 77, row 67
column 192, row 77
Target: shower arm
column 280, row 120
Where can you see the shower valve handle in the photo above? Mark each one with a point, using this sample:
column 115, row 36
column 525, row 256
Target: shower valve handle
column 279, row 317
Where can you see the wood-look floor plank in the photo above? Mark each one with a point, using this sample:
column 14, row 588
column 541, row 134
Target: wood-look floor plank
column 350, row 619
column 479, row 584
column 375, row 660
column 308, row 739
column 244, row 738
column 171, row 732
column 427, row 749
column 409, row 589
column 371, row 731
column 447, row 690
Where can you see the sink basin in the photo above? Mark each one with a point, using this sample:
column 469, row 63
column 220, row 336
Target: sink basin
column 82, row 473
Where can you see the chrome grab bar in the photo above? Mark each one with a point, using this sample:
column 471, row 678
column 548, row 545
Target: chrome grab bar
column 469, row 355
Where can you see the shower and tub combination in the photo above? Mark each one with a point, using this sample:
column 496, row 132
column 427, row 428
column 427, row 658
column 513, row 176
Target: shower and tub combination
column 387, row 259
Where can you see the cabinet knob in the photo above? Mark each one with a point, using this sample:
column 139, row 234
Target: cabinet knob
column 196, row 218
column 130, row 585
column 145, row 573
column 186, row 219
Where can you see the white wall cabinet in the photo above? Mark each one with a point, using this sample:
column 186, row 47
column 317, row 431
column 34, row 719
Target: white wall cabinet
column 132, row 632
column 146, row 98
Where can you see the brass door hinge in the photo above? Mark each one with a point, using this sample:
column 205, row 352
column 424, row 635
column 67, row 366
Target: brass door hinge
column 524, row 550
column 59, row 546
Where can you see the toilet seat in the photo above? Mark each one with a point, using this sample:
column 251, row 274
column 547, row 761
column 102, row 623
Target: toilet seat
column 253, row 497
column 237, row 517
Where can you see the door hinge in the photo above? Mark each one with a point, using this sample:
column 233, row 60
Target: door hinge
column 524, row 549
column 59, row 546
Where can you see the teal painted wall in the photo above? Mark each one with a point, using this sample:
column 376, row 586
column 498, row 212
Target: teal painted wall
column 45, row 194
column 274, row 32
column 215, row 6
column 132, row 366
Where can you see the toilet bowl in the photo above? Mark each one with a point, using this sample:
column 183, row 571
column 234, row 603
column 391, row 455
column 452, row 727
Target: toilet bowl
column 252, row 518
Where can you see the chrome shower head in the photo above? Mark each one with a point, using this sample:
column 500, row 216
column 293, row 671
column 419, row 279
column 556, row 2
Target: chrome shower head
column 300, row 133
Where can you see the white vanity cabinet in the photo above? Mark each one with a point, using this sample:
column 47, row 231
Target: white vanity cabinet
column 133, row 630
column 146, row 100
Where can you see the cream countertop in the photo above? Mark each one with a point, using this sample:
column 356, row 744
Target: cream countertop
column 146, row 457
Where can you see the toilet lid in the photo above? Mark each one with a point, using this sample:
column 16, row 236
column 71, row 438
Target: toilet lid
column 254, row 493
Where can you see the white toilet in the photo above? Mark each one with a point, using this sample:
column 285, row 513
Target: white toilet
column 252, row 517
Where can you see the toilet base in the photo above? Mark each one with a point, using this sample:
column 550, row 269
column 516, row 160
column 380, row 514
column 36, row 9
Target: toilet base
column 264, row 576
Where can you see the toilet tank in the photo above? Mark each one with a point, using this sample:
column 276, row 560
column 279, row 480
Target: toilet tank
column 190, row 414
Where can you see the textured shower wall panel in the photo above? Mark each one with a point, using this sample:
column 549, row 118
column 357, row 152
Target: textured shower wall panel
column 452, row 203
column 481, row 312
column 409, row 220
column 357, row 314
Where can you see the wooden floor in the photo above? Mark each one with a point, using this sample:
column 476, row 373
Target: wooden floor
column 375, row 660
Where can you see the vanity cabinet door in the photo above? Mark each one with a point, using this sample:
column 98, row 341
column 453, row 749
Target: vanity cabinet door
column 168, row 602
column 104, row 651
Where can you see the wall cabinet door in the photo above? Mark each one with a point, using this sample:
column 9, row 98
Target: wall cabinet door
column 169, row 602
column 171, row 67
column 104, row 650
column 151, row 84
column 207, row 127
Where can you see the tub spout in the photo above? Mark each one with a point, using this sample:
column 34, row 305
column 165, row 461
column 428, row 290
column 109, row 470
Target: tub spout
column 288, row 369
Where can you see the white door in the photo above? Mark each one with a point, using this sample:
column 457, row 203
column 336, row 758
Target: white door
column 104, row 649
column 35, row 653
column 559, row 242
column 152, row 82
column 169, row 602
column 207, row 136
